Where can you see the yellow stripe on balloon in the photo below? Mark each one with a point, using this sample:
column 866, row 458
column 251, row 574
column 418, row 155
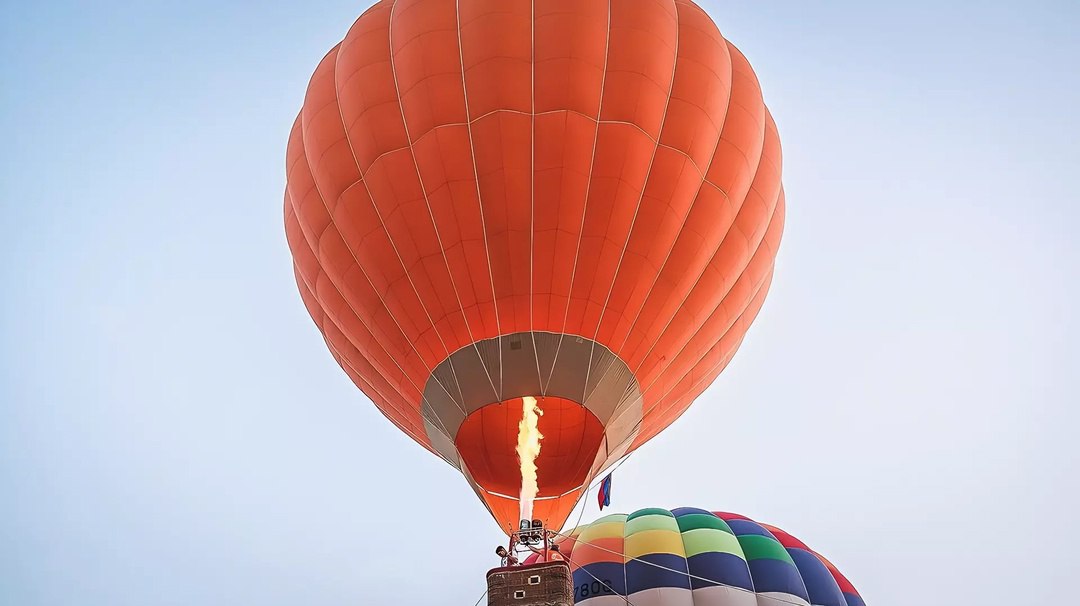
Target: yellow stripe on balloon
column 610, row 530
column 653, row 541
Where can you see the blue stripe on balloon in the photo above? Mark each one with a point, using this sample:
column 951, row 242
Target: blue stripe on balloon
column 641, row 575
column 719, row 569
column 820, row 584
column 777, row 575
column 854, row 600
column 741, row 527
column 608, row 573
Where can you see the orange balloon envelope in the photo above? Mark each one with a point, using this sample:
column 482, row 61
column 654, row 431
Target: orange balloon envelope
column 577, row 200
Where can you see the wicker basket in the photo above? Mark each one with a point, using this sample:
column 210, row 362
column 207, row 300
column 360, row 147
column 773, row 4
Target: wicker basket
column 548, row 584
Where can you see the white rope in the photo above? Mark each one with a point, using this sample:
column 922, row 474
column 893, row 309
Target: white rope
column 480, row 208
column 588, row 188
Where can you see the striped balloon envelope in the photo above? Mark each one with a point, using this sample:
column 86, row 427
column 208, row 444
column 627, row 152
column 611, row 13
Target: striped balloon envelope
column 694, row 557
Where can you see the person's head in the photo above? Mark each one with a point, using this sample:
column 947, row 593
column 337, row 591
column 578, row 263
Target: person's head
column 500, row 551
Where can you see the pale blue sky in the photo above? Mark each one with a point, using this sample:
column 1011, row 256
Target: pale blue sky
column 172, row 430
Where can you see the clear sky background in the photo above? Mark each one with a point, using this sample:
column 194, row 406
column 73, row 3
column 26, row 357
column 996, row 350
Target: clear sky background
column 173, row 430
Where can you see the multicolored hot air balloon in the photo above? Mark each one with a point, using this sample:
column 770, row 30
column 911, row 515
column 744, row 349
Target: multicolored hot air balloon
column 573, row 200
column 693, row 557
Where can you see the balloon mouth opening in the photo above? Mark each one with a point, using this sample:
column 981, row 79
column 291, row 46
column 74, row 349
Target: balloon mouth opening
column 488, row 442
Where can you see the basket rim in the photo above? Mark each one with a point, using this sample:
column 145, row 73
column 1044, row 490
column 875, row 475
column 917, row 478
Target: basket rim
column 525, row 567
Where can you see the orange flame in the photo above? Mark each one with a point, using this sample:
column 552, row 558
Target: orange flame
column 528, row 448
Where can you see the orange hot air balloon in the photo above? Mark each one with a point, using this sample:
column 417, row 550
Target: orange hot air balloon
column 577, row 200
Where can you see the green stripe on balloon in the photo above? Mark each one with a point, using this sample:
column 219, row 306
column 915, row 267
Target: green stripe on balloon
column 694, row 521
column 757, row 547
column 709, row 540
column 651, row 522
column 650, row 511
column 615, row 517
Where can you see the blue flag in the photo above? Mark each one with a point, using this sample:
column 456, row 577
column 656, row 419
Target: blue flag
column 604, row 496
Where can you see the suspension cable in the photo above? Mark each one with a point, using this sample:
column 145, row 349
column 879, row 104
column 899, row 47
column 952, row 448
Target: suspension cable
column 585, row 497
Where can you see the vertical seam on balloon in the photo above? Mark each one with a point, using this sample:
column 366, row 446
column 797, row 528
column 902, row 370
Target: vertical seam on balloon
column 305, row 286
column 841, row 580
column 315, row 187
column 391, row 315
column 608, row 371
column 686, row 558
column 343, row 359
column 427, row 203
column 362, row 322
column 453, row 370
column 758, row 291
column 356, row 260
column 532, row 196
column 656, row 142
column 734, row 325
column 585, row 203
column 697, row 281
column 423, row 396
column 641, row 197
column 312, row 290
column 332, row 221
column 705, row 270
column 663, row 406
column 704, row 176
column 741, row 554
column 625, row 561
column 698, row 169
column 480, row 207
column 787, row 552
